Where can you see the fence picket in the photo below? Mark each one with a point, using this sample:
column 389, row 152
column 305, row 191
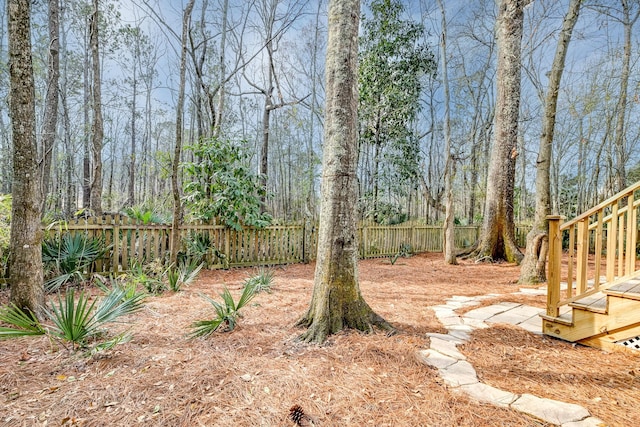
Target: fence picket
column 130, row 240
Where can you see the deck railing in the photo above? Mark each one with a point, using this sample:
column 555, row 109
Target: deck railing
column 605, row 233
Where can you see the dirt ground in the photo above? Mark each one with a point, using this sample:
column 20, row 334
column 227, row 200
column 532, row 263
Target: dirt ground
column 254, row 375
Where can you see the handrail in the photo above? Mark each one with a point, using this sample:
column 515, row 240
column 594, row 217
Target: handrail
column 604, row 204
column 607, row 231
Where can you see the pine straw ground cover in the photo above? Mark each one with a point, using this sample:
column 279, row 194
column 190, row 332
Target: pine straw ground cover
column 254, row 375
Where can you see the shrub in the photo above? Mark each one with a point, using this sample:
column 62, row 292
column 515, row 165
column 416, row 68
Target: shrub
column 227, row 313
column 74, row 321
column 262, row 281
column 68, row 258
column 183, row 274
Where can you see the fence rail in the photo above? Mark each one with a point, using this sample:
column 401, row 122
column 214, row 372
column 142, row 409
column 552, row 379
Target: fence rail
column 132, row 241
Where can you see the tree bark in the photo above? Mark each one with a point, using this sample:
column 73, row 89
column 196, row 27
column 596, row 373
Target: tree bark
column 97, row 127
column 533, row 265
column 51, row 101
column 337, row 303
column 25, row 265
column 497, row 241
column 621, row 108
column 177, row 151
column 449, row 168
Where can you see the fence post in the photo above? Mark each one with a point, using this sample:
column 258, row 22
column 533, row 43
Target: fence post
column 227, row 247
column 555, row 257
column 115, row 263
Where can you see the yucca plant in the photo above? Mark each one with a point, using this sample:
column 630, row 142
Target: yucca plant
column 69, row 257
column 227, row 312
column 262, row 281
column 73, row 321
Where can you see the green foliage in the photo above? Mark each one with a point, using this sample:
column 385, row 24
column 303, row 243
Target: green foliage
column 220, row 185
column 68, row 258
column 78, row 322
column 227, row 313
column 128, row 288
column 146, row 216
column 262, row 281
column 382, row 212
column 183, row 274
column 148, row 276
column 23, row 323
column 393, row 61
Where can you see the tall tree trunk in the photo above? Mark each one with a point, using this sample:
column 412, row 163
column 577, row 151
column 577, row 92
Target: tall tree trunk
column 25, row 266
column 449, row 168
column 177, row 150
column 533, row 265
column 51, row 100
column 621, row 108
column 497, row 241
column 97, row 127
column 222, row 71
column 337, row 303
column 131, row 189
column 86, row 157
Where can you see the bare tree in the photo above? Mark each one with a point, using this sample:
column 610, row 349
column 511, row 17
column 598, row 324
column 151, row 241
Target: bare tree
column 51, row 101
column 27, row 291
column 449, row 169
column 177, row 151
column 97, row 127
column 533, row 264
column 337, row 303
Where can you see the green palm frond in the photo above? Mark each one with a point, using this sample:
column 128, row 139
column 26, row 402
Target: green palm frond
column 24, row 323
column 72, row 321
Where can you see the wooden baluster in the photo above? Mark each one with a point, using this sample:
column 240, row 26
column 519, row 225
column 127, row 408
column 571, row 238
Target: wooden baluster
column 630, row 231
column 598, row 248
column 612, row 234
column 555, row 255
column 571, row 260
column 583, row 254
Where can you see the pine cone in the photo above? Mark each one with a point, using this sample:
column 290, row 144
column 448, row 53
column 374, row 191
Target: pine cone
column 296, row 414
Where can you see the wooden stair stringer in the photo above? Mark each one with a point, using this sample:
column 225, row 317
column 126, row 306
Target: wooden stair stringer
column 608, row 340
column 622, row 313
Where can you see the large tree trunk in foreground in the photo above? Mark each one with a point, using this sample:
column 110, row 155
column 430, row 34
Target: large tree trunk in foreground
column 533, row 265
column 497, row 241
column 337, row 303
column 25, row 266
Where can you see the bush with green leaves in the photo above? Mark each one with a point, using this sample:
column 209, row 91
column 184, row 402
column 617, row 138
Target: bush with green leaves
column 68, row 258
column 262, row 281
column 76, row 323
column 227, row 313
column 220, row 184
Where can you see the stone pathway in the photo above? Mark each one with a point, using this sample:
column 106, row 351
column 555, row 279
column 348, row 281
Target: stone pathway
column 460, row 375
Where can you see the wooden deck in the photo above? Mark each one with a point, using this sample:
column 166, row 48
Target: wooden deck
column 594, row 309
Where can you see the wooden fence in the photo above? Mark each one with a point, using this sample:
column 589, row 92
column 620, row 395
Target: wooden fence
column 132, row 241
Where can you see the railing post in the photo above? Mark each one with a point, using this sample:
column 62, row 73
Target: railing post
column 555, row 256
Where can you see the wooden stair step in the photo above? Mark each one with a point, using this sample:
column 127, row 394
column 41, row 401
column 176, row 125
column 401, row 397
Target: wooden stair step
column 565, row 318
column 596, row 303
column 629, row 289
